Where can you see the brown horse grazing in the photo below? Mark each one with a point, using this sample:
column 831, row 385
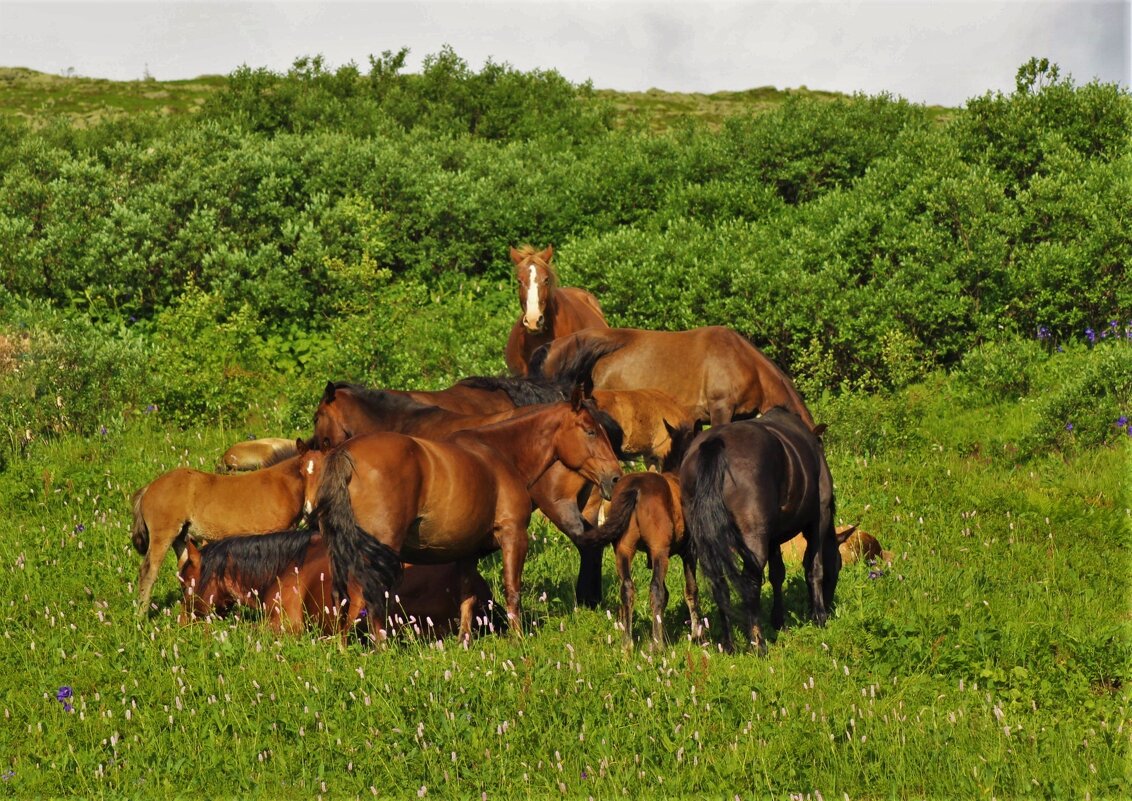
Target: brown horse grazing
column 387, row 497
column 646, row 418
column 186, row 503
column 549, row 311
column 713, row 371
column 748, row 487
column 253, row 454
column 287, row 575
column 645, row 515
column 854, row 546
column 347, row 410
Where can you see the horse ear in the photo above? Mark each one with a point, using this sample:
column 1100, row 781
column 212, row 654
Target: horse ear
column 671, row 429
column 819, row 429
column 301, row 446
column 578, row 397
column 547, row 254
column 516, row 256
column 328, row 393
column 538, row 358
column 845, row 532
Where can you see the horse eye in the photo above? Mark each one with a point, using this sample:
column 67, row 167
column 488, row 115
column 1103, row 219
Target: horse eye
column 326, row 442
column 546, row 281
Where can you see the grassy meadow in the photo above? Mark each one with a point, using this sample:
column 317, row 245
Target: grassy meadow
column 988, row 661
column 186, row 264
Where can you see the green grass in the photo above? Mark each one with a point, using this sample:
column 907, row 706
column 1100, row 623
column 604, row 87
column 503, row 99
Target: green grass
column 990, row 660
column 41, row 97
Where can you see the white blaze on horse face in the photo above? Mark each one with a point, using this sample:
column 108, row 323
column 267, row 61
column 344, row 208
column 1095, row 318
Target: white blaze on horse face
column 530, row 317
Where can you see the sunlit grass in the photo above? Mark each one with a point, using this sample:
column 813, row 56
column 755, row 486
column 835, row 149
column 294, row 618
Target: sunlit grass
column 989, row 660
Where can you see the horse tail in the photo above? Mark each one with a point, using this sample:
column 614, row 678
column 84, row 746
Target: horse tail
column 711, row 531
column 139, row 534
column 617, row 519
column 355, row 557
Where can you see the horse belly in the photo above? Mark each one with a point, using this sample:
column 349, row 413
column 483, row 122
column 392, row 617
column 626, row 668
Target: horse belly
column 458, row 515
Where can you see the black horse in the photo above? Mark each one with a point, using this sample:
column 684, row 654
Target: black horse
column 747, row 487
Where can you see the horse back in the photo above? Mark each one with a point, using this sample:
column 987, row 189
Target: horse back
column 575, row 309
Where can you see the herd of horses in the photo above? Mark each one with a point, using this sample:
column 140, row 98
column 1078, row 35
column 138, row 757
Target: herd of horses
column 376, row 522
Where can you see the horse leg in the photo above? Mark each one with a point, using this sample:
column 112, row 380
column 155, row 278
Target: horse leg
column 658, row 594
column 692, row 597
column 514, row 546
column 813, row 564
column 159, row 544
column 777, row 577
column 753, row 552
column 468, row 599
column 624, row 561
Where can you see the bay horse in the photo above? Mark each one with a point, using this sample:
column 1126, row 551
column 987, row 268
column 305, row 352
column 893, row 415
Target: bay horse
column 645, row 515
column 287, row 575
column 713, row 371
column 748, row 487
column 252, row 454
column 186, row 503
column 549, row 310
column 387, row 497
column 348, row 410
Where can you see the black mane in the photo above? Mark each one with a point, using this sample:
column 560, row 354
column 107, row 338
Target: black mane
column 253, row 560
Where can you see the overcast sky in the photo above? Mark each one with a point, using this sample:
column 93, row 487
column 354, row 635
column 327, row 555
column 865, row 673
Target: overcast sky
column 928, row 52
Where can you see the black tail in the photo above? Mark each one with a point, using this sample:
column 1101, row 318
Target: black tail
column 522, row 391
column 355, row 556
column 711, row 531
column 616, row 520
column 139, row 534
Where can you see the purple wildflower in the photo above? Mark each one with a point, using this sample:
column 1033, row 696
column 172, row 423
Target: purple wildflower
column 150, row 408
column 1090, row 335
column 875, row 574
column 7, row 774
column 102, row 431
column 1068, row 426
column 62, row 696
column 79, row 529
column 1043, row 332
column 1122, row 421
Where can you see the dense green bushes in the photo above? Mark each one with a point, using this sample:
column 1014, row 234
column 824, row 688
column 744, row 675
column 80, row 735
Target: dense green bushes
column 329, row 224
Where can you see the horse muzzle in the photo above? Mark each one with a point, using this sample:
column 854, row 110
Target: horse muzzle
column 606, row 485
column 536, row 327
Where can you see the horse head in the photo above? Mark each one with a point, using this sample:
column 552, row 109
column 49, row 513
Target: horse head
column 583, row 445
column 330, row 428
column 537, row 281
column 311, row 466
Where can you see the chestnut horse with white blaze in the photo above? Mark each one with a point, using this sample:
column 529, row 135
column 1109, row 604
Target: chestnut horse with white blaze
column 549, row 311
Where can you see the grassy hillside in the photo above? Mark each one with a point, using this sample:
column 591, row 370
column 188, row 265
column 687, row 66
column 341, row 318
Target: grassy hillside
column 40, row 97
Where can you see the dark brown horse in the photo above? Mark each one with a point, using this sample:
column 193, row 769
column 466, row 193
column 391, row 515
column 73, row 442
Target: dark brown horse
column 287, row 575
column 713, row 371
column 549, row 311
column 645, row 515
column 186, row 503
column 347, row 410
column 748, row 487
column 387, row 497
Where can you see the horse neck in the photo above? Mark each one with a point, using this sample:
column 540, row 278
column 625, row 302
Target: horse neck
column 525, row 441
column 284, row 475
